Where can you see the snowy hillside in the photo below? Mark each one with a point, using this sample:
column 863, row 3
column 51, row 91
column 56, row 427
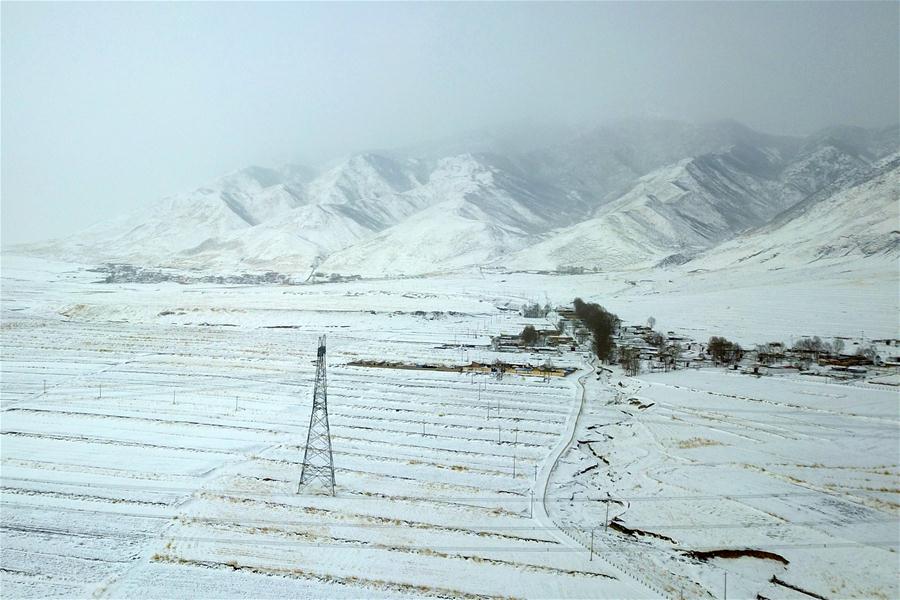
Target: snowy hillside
column 603, row 163
column 677, row 210
column 254, row 219
column 478, row 212
column 627, row 195
column 857, row 221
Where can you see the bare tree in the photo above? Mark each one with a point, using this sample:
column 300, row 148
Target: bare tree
column 867, row 351
column 657, row 340
column 675, row 350
column 630, row 359
column 651, row 322
column 837, row 345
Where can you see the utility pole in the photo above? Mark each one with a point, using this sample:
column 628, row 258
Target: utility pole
column 606, row 522
column 592, row 544
column 173, row 397
column 498, row 434
column 318, row 462
column 514, row 466
column 101, row 390
column 531, row 504
column 45, row 387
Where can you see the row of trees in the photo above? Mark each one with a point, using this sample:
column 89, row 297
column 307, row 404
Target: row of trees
column 602, row 324
column 535, row 310
column 815, row 345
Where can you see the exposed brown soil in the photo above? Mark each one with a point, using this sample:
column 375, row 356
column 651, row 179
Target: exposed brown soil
column 585, row 470
column 731, row 553
column 622, row 528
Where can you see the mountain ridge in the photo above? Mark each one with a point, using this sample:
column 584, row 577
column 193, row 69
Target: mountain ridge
column 624, row 195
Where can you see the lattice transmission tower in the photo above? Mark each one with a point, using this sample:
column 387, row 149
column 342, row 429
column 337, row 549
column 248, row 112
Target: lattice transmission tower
column 318, row 463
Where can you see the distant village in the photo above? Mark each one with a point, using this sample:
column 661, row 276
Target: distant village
column 641, row 348
column 638, row 348
column 126, row 273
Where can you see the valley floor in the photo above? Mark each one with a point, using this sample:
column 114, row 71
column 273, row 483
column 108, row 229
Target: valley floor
column 798, row 475
column 152, row 436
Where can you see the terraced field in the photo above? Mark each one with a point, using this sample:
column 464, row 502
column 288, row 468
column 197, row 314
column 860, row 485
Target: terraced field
column 149, row 456
column 152, row 439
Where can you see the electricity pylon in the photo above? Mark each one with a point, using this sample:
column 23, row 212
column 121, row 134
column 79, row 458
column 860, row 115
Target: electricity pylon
column 317, row 460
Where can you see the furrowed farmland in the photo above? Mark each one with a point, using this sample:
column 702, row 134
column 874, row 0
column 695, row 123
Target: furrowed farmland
column 153, row 439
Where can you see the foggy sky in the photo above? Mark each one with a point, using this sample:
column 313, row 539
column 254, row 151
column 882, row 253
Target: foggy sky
column 109, row 106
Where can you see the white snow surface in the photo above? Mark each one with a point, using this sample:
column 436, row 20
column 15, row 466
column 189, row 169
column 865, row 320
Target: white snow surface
column 853, row 224
column 152, row 435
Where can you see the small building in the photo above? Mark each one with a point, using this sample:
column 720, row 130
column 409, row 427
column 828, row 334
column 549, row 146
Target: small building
column 506, row 343
column 560, row 340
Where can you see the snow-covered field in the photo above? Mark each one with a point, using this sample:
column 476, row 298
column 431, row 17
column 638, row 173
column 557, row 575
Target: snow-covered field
column 152, row 436
column 710, row 459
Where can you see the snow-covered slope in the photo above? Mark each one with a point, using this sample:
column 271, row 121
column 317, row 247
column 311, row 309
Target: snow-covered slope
column 603, row 163
column 623, row 196
column 678, row 211
column 855, row 218
column 255, row 218
column 682, row 208
column 479, row 208
column 367, row 187
column 207, row 217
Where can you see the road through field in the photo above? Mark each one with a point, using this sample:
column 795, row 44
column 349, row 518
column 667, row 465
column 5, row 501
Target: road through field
column 541, row 513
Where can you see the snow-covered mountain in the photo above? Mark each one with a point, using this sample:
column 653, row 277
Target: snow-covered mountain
column 679, row 211
column 255, row 218
column 626, row 195
column 479, row 208
column 189, row 222
column 603, row 163
column 856, row 217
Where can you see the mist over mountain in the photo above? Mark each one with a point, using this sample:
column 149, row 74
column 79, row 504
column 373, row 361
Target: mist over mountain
column 624, row 195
